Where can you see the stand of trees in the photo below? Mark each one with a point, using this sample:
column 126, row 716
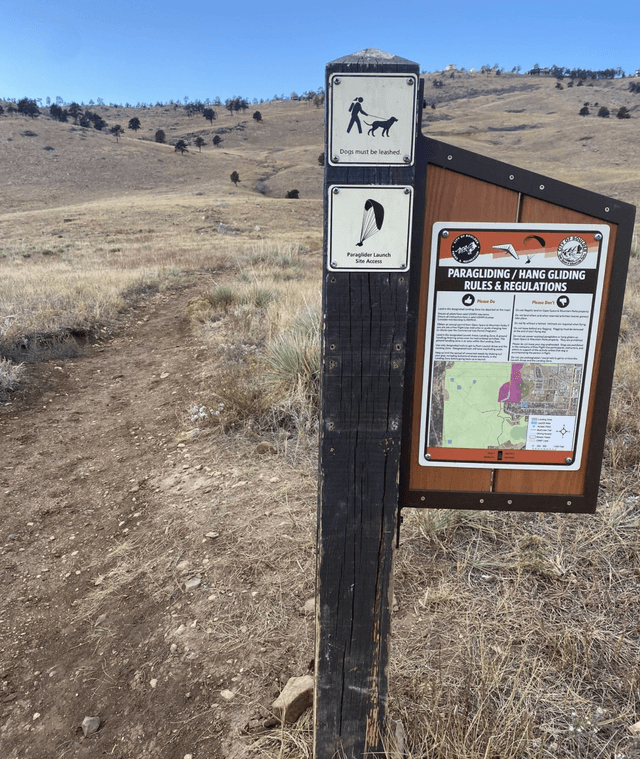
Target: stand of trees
column 575, row 73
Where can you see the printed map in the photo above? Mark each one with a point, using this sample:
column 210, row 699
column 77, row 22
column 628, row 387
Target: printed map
column 487, row 405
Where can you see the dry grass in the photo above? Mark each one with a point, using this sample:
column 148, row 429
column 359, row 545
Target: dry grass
column 517, row 636
column 517, row 631
column 263, row 332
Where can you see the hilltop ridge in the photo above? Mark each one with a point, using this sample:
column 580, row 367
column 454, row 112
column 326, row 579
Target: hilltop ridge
column 525, row 120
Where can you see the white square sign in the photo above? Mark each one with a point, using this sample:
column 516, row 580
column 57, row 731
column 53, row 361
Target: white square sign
column 372, row 119
column 369, row 227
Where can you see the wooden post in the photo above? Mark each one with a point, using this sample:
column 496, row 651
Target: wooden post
column 364, row 342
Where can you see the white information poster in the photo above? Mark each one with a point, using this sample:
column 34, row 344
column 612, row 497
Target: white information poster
column 372, row 119
column 369, row 227
column 510, row 342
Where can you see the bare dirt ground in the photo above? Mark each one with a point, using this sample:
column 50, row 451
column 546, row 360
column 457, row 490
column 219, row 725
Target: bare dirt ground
column 109, row 505
column 154, row 568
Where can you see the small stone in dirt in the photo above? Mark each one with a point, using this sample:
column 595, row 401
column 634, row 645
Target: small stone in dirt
column 296, row 697
column 153, row 682
column 36, row 716
column 193, row 583
column 164, row 375
column 212, row 535
column 635, row 729
column 102, row 618
column 90, row 725
column 173, row 648
column 309, row 606
column 227, row 694
column 265, row 447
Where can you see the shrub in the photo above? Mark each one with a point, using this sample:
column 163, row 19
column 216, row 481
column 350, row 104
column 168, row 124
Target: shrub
column 222, row 298
column 294, row 357
column 160, row 136
column 259, row 297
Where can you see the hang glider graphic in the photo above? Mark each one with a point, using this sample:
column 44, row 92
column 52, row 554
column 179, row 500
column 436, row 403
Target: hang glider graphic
column 508, row 248
column 372, row 220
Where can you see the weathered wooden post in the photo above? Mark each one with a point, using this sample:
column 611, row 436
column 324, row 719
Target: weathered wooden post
column 371, row 125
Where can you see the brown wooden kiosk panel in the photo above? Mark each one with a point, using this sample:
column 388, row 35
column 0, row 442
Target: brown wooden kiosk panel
column 460, row 186
column 569, row 483
column 453, row 197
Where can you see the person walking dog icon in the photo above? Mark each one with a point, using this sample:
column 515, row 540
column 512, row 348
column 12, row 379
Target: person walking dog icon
column 355, row 109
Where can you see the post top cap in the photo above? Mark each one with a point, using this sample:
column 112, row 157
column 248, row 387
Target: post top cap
column 371, row 55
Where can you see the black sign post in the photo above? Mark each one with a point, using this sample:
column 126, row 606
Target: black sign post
column 369, row 177
column 492, row 369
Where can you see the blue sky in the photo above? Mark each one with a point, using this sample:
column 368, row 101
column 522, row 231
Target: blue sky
column 144, row 50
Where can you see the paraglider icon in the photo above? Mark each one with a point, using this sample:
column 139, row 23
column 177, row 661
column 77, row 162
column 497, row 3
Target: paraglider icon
column 372, row 219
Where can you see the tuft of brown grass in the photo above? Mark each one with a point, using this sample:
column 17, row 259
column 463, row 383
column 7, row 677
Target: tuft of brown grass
column 263, row 335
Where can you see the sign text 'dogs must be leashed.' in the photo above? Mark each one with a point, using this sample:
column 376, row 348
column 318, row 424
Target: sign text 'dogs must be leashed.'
column 510, row 343
column 372, row 119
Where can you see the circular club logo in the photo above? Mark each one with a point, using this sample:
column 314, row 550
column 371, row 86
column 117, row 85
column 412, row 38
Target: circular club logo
column 572, row 250
column 465, row 249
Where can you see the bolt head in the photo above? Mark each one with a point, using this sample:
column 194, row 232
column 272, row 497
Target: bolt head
column 406, row 158
column 337, row 80
column 336, row 190
column 569, row 460
column 336, row 159
column 598, row 236
column 445, row 233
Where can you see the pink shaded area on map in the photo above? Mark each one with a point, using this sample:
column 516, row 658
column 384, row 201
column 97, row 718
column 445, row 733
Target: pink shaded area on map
column 510, row 391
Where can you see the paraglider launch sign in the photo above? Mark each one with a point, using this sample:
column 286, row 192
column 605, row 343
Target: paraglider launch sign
column 510, row 343
column 370, row 227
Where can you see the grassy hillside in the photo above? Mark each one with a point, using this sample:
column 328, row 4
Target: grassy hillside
column 88, row 220
column 159, row 492
column 527, row 121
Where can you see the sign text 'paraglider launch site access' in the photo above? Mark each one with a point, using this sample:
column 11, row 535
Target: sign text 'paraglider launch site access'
column 370, row 227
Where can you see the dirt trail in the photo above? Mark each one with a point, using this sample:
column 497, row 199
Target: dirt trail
column 105, row 515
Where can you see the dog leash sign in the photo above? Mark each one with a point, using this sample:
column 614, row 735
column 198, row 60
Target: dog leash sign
column 372, row 119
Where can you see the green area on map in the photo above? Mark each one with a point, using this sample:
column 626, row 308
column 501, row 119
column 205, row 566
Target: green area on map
column 487, row 405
